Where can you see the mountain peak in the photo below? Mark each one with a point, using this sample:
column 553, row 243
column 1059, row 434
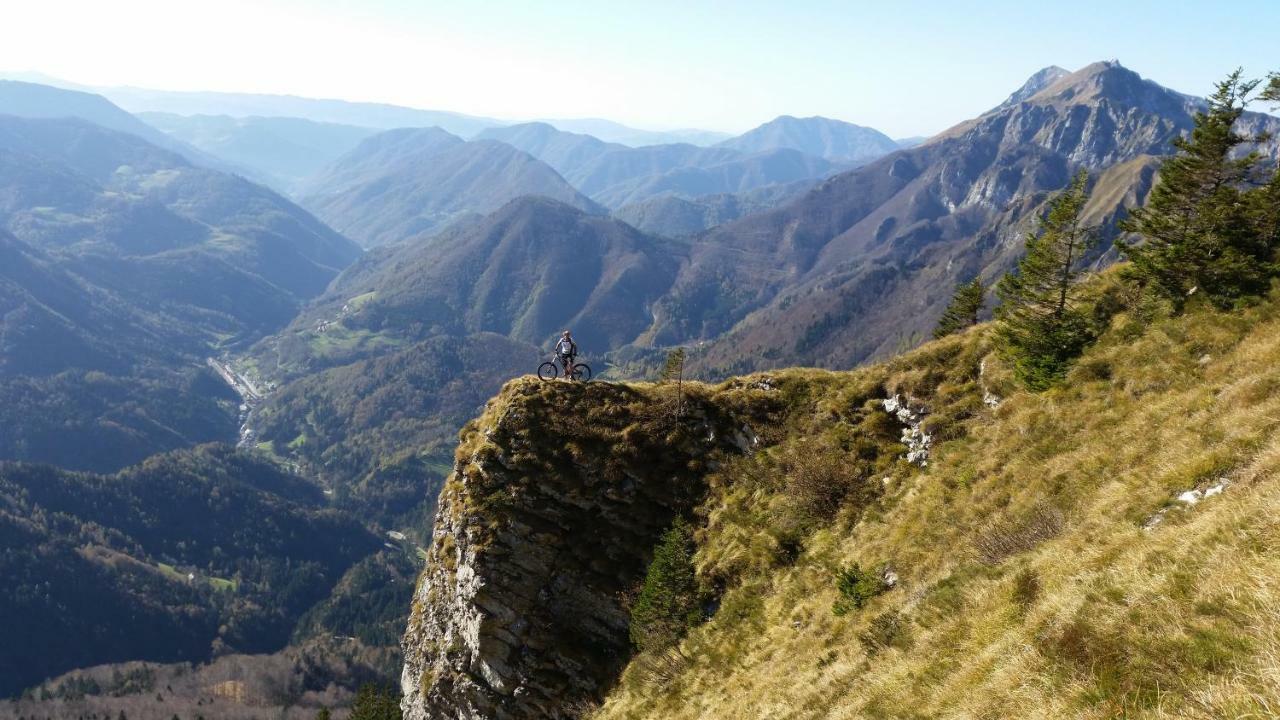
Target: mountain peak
column 1037, row 82
column 1106, row 79
column 819, row 136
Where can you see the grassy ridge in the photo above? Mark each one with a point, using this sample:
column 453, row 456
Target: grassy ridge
column 1044, row 565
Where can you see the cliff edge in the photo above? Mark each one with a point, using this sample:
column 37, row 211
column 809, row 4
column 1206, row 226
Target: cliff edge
column 558, row 495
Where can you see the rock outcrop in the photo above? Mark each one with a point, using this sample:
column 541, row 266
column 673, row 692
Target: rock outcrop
column 559, row 493
column 914, row 436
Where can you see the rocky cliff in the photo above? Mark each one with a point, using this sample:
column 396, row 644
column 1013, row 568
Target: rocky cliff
column 557, row 498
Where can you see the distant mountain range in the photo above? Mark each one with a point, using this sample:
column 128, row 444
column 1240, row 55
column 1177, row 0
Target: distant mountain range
column 612, row 132
column 286, row 141
column 144, row 213
column 402, row 183
column 283, row 151
column 376, row 116
column 818, row 136
column 35, row 101
column 524, row 272
column 614, row 175
column 840, row 272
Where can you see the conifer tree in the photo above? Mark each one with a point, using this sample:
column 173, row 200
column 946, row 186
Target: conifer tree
column 1271, row 93
column 376, row 702
column 1041, row 329
column 673, row 372
column 963, row 311
column 1199, row 229
column 673, row 367
column 1265, row 202
column 668, row 603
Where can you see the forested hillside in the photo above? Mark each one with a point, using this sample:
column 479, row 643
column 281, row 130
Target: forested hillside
column 186, row 556
column 125, row 268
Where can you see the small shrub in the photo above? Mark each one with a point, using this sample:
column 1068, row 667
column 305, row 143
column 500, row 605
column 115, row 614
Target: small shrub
column 660, row 668
column 818, row 480
column 1008, row 537
column 581, row 709
column 888, row 629
column 822, row 476
column 856, row 587
column 1026, row 588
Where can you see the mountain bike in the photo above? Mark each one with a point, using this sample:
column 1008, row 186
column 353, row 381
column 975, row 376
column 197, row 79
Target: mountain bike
column 550, row 370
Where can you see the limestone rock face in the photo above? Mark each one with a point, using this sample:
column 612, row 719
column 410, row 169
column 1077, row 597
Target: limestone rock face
column 559, row 493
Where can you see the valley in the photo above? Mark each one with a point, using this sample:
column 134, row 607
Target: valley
column 268, row 431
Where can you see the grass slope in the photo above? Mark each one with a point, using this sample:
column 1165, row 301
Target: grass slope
column 1030, row 582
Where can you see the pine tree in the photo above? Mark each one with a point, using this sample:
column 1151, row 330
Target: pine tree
column 1271, row 93
column 668, row 603
column 376, row 702
column 1198, row 228
column 673, row 367
column 963, row 311
column 1264, row 207
column 1041, row 329
column 673, row 372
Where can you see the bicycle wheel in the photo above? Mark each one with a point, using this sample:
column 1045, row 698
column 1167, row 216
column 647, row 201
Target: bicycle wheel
column 582, row 371
column 548, row 371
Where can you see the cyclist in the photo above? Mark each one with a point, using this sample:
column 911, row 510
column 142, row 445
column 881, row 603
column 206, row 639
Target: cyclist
column 566, row 351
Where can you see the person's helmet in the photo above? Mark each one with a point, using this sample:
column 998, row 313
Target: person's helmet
column 565, row 333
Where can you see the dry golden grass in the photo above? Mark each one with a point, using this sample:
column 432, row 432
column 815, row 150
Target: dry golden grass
column 1088, row 615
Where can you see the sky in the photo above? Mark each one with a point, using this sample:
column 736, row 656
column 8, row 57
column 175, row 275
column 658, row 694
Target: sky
column 905, row 68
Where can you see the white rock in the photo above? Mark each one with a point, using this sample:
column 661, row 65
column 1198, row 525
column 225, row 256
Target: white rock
column 917, row 441
column 1191, row 497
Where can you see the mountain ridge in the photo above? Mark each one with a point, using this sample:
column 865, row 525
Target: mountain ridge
column 903, row 230
column 826, row 138
column 403, row 183
column 284, row 151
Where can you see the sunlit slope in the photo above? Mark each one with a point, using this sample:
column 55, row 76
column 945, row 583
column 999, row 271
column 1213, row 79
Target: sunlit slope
column 1109, row 548
column 1106, row 548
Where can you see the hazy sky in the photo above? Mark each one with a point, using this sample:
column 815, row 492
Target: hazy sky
column 907, row 68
